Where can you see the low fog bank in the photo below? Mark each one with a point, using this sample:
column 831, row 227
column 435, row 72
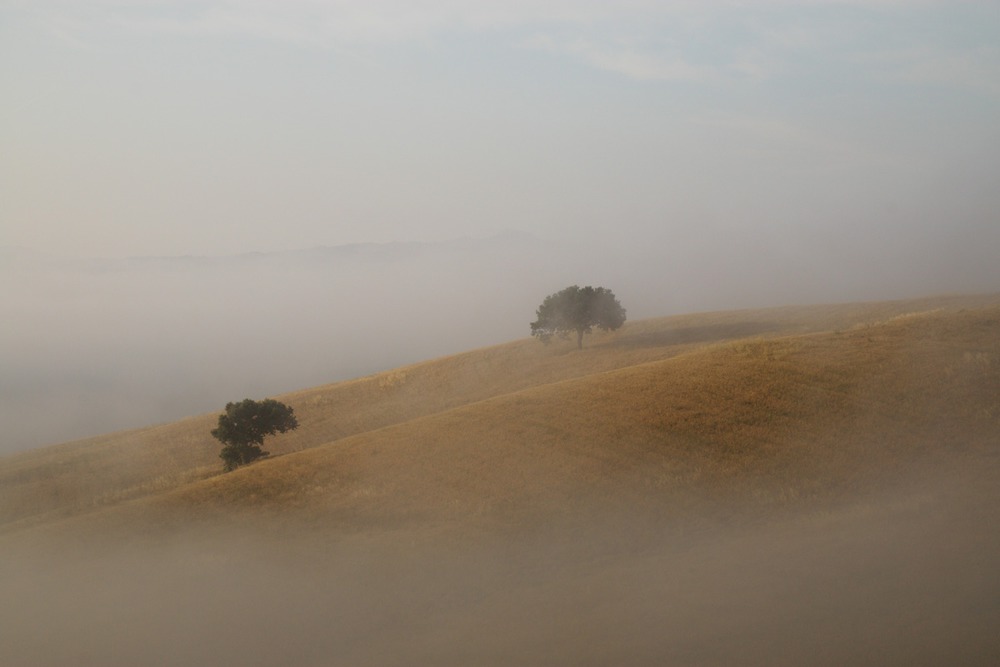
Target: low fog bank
column 93, row 346
column 904, row 577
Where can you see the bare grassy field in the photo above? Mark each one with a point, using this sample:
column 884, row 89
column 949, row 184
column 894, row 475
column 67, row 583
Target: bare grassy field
column 810, row 485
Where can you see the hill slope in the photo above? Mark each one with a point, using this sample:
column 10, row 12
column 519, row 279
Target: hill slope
column 98, row 472
column 806, row 485
column 762, row 422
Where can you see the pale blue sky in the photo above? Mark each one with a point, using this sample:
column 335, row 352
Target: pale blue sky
column 815, row 129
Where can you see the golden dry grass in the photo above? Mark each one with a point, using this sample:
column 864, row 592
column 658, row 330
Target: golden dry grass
column 811, row 485
column 765, row 407
column 765, row 422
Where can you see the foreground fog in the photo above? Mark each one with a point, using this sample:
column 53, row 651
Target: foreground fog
column 906, row 576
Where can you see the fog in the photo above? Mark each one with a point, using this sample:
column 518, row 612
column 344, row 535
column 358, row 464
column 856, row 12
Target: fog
column 902, row 576
column 96, row 345
column 210, row 200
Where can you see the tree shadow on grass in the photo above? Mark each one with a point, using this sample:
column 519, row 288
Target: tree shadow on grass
column 691, row 335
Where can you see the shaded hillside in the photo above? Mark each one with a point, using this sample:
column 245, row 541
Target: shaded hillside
column 98, row 472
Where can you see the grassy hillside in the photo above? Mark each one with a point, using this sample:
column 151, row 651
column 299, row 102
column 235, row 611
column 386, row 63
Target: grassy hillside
column 103, row 471
column 798, row 485
column 763, row 423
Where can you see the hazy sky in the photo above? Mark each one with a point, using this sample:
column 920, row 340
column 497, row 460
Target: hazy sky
column 813, row 128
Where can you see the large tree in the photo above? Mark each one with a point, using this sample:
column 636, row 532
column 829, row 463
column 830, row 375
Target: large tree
column 577, row 309
column 244, row 425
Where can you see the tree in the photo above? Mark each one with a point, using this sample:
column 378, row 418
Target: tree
column 245, row 424
column 579, row 310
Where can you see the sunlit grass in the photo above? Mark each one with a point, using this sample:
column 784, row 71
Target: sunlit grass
column 769, row 408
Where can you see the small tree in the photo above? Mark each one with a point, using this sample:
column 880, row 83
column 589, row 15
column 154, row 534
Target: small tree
column 579, row 310
column 245, row 424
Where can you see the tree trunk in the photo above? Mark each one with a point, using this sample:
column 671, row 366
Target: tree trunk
column 579, row 339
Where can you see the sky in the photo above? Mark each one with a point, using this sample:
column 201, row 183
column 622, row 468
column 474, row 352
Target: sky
column 690, row 156
column 818, row 129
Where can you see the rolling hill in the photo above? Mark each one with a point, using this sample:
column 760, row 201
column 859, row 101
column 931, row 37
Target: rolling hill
column 816, row 481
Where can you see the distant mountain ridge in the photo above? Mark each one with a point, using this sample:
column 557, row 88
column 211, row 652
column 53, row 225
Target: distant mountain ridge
column 19, row 256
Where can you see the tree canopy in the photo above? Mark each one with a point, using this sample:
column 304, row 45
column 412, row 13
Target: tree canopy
column 244, row 425
column 577, row 309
